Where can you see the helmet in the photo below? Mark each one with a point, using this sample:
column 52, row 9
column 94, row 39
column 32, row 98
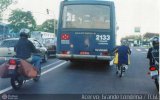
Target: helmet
column 155, row 41
column 24, row 32
column 123, row 42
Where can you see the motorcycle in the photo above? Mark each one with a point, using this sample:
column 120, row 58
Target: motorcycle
column 15, row 73
column 154, row 69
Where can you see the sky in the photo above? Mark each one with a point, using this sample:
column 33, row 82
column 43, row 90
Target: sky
column 38, row 8
column 144, row 14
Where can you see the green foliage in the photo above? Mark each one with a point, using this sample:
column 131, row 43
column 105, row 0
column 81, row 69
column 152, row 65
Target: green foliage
column 3, row 6
column 145, row 37
column 150, row 35
column 136, row 37
column 20, row 19
column 39, row 28
column 47, row 26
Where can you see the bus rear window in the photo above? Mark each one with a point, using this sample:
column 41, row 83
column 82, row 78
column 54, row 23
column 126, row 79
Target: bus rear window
column 86, row 16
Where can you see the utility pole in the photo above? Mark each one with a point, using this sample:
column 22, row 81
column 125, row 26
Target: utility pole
column 47, row 10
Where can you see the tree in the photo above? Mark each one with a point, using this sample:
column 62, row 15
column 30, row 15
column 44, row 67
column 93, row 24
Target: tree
column 3, row 6
column 39, row 28
column 150, row 35
column 48, row 25
column 20, row 19
column 135, row 37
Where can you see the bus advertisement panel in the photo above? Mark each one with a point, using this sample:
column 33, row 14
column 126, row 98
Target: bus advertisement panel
column 86, row 30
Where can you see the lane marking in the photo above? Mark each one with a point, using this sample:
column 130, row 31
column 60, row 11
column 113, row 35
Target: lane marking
column 57, row 66
column 146, row 49
column 50, row 64
column 138, row 49
column 53, row 68
column 5, row 90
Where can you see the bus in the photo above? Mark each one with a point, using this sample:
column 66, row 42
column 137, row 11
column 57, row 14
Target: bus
column 42, row 36
column 47, row 39
column 4, row 31
column 86, row 30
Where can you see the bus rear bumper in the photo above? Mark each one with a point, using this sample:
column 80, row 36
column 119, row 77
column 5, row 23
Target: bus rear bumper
column 83, row 57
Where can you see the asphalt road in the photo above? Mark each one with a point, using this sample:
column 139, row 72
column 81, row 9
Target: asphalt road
column 64, row 77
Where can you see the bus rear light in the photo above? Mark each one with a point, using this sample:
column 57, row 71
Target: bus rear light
column 84, row 53
column 65, row 52
column 104, row 53
column 65, row 36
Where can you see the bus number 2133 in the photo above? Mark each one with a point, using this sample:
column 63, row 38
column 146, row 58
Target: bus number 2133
column 102, row 37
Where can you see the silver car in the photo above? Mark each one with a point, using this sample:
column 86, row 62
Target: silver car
column 7, row 49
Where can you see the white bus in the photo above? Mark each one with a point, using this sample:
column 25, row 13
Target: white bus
column 47, row 39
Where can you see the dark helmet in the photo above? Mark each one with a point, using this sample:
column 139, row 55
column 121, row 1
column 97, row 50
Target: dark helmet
column 24, row 32
column 123, row 42
column 155, row 41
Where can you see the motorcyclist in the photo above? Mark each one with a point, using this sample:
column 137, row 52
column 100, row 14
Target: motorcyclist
column 155, row 48
column 123, row 53
column 25, row 49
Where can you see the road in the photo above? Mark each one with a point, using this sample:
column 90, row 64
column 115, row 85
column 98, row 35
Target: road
column 64, row 77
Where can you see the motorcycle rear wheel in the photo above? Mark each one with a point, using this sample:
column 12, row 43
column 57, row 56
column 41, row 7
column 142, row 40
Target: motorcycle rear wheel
column 16, row 82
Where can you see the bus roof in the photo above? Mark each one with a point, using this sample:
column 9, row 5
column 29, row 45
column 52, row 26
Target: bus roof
column 103, row 2
column 86, row 0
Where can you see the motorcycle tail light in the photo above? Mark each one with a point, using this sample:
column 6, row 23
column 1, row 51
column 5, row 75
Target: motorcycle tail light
column 12, row 62
column 152, row 68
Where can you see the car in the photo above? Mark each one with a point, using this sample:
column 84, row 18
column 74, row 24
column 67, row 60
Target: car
column 50, row 44
column 7, row 49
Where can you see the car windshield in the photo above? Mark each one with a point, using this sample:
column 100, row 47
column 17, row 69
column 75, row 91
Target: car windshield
column 8, row 43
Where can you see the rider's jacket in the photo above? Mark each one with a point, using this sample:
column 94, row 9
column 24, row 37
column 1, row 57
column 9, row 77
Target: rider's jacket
column 24, row 48
column 123, row 54
column 153, row 51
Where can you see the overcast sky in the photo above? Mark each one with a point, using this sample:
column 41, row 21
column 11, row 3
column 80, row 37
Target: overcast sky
column 129, row 14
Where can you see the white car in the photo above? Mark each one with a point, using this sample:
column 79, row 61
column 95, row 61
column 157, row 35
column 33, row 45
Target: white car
column 7, row 49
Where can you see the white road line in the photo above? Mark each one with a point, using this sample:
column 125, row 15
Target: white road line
column 53, row 68
column 5, row 90
column 9, row 88
column 51, row 64
column 138, row 49
column 146, row 49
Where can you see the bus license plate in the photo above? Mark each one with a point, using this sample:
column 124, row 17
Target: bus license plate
column 154, row 73
column 12, row 66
